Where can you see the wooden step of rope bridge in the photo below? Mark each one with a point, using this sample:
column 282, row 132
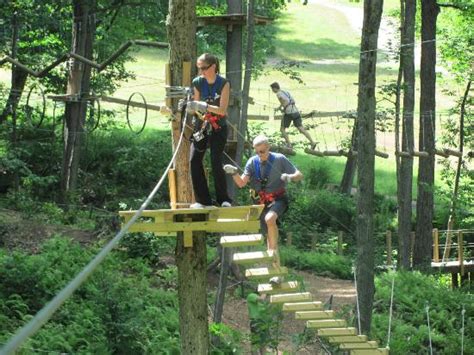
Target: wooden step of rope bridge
column 292, row 299
column 167, row 222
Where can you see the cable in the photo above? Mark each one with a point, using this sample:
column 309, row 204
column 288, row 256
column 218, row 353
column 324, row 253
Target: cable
column 429, row 327
column 46, row 312
column 357, row 300
column 391, row 313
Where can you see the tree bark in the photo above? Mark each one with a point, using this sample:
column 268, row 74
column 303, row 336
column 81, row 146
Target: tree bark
column 247, row 80
column 83, row 34
column 19, row 76
column 366, row 161
column 234, row 75
column 351, row 164
column 407, row 57
column 452, row 209
column 424, row 205
column 191, row 262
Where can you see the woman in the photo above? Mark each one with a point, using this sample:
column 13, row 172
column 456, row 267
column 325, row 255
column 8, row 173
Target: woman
column 211, row 98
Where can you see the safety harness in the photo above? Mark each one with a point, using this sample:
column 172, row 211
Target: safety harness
column 265, row 197
column 209, row 94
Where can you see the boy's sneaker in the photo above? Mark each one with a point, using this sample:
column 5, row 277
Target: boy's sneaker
column 226, row 204
column 197, row 205
column 276, row 280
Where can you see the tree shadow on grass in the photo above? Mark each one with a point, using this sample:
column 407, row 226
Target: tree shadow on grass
column 323, row 49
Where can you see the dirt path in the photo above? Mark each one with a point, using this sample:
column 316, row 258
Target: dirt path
column 235, row 310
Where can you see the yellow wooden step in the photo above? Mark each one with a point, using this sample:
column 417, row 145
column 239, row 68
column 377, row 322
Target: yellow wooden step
column 326, row 323
column 265, row 272
column 348, row 339
column 314, row 315
column 302, row 306
column 336, row 332
column 241, row 240
column 253, row 257
column 379, row 351
column 287, row 287
column 357, row 346
column 291, row 297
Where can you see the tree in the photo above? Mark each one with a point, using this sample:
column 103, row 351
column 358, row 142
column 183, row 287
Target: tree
column 366, row 105
column 405, row 170
column 424, row 203
column 191, row 262
column 78, row 87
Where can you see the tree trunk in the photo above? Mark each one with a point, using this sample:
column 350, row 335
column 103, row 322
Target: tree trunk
column 247, row 80
column 191, row 262
column 452, row 209
column 424, row 204
column 406, row 163
column 366, row 160
column 351, row 164
column 83, row 33
column 234, row 75
column 19, row 76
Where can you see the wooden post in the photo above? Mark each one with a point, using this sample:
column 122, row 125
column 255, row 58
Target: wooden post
column 314, row 240
column 447, row 250
column 389, row 247
column 289, row 238
column 172, row 188
column 339, row 242
column 435, row 245
column 461, row 253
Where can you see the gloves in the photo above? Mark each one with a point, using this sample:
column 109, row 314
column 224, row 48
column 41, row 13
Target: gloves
column 181, row 104
column 193, row 106
column 285, row 177
column 230, row 169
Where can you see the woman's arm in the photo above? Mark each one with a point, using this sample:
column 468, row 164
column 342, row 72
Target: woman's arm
column 223, row 103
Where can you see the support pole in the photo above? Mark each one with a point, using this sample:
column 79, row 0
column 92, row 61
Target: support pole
column 435, row 245
column 389, row 247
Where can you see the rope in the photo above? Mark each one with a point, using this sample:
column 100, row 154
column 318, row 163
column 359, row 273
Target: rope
column 47, row 312
column 390, row 314
column 429, row 327
column 357, row 300
column 463, row 312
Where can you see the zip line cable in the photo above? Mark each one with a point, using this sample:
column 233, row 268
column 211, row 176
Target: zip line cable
column 47, row 312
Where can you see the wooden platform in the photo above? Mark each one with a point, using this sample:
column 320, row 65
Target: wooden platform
column 284, row 287
column 242, row 219
column 453, row 266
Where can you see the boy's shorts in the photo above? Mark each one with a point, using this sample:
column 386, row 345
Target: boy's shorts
column 291, row 117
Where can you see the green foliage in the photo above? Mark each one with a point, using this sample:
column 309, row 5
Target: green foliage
column 322, row 264
column 228, row 342
column 116, row 311
column 413, row 292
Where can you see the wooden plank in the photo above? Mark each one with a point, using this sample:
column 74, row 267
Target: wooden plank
column 379, row 351
column 291, row 297
column 208, row 226
column 165, row 234
column 253, row 257
column 168, row 101
column 453, row 266
column 348, row 339
column 333, row 153
column 435, row 245
column 241, row 240
column 241, row 212
column 334, row 332
column 270, row 289
column 364, row 345
column 314, row 152
column 420, row 154
column 314, row 315
column 326, row 323
column 265, row 272
column 172, row 188
column 380, row 154
column 139, row 104
column 302, row 306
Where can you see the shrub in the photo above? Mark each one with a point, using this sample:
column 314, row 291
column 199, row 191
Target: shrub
column 413, row 291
